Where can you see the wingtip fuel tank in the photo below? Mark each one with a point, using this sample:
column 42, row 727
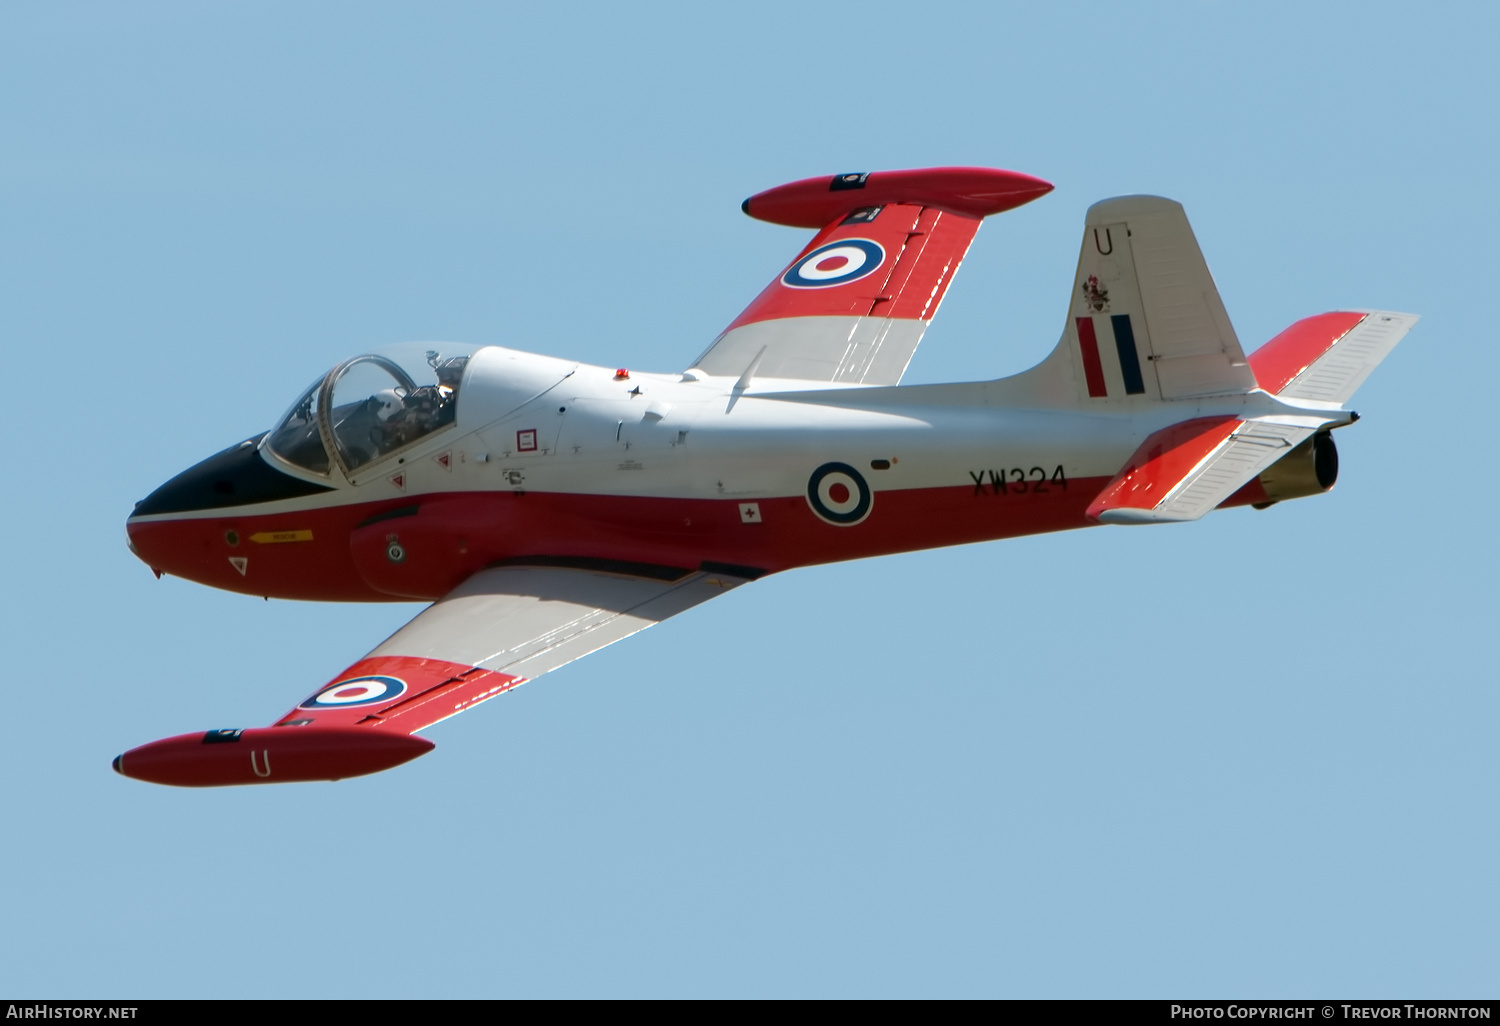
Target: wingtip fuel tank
column 266, row 755
column 972, row 191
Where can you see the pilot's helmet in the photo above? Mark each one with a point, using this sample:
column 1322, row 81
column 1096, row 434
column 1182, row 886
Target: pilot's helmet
column 387, row 404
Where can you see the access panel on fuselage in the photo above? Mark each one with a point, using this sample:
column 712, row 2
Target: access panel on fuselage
column 529, row 435
column 625, row 431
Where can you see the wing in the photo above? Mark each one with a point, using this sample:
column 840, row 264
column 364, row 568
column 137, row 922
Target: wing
column 854, row 304
column 501, row 628
column 497, row 630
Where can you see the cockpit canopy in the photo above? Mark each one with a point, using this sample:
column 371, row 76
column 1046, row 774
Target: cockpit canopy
column 373, row 406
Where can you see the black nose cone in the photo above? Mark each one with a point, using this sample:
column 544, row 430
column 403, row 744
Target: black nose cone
column 238, row 476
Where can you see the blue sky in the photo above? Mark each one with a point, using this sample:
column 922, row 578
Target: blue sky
column 1248, row 756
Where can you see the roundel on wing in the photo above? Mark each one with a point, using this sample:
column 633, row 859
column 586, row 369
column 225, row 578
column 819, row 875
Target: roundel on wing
column 836, row 263
column 356, row 691
column 839, row 494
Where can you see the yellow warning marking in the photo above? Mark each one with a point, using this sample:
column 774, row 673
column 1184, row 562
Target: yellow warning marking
column 277, row 537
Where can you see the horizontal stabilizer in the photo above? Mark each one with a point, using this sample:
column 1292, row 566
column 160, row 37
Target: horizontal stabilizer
column 1325, row 358
column 1182, row 472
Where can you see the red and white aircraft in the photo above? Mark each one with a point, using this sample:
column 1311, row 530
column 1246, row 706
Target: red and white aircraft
column 548, row 508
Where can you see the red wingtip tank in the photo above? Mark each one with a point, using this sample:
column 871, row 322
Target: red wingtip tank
column 971, row 191
column 269, row 755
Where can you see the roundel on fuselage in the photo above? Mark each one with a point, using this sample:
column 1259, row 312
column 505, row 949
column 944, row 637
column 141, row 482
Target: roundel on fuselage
column 839, row 494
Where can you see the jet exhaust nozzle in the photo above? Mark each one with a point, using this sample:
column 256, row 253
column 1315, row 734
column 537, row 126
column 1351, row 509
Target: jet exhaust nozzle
column 1312, row 468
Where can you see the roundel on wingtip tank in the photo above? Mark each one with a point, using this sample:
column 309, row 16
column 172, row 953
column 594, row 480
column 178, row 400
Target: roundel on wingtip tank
column 971, row 191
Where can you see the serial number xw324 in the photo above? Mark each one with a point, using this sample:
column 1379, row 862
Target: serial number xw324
column 1018, row 481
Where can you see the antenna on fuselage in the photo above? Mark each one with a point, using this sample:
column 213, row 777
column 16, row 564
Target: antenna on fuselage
column 745, row 378
column 744, row 382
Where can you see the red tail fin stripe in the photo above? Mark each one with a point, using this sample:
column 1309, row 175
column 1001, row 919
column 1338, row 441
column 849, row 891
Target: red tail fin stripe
column 1093, row 370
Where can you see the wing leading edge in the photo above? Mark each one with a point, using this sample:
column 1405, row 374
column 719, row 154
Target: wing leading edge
column 499, row 629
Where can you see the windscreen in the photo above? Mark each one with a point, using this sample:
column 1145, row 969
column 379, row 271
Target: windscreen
column 297, row 438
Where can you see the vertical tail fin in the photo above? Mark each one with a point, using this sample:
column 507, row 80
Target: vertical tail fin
column 1145, row 322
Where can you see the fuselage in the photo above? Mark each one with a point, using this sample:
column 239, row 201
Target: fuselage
column 546, row 459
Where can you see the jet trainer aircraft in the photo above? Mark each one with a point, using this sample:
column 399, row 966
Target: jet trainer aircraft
column 548, row 508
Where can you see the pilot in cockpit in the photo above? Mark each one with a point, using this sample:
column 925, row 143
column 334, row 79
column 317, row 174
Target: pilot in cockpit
column 404, row 415
column 372, row 406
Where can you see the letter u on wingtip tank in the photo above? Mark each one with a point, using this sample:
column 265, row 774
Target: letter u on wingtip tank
column 269, row 755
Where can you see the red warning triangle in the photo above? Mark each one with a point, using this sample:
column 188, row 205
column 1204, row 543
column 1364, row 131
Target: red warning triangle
column 399, row 480
column 444, row 459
